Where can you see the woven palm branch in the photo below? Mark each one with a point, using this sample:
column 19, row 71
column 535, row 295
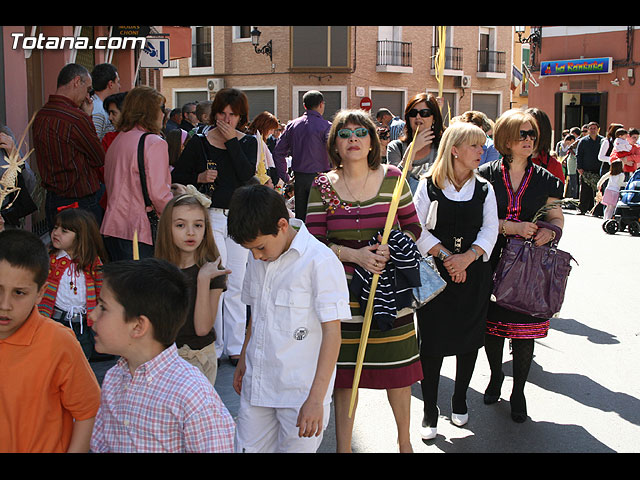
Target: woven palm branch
column 551, row 205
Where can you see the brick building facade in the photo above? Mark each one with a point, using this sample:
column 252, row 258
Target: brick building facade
column 347, row 63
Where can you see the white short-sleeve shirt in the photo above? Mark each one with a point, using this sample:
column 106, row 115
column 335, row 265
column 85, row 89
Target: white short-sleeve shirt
column 290, row 298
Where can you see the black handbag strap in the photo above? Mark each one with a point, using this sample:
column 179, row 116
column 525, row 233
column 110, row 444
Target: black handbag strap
column 143, row 177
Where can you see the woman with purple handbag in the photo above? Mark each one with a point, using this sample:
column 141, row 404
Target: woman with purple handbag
column 522, row 189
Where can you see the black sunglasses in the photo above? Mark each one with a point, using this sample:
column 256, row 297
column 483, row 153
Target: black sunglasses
column 528, row 133
column 424, row 113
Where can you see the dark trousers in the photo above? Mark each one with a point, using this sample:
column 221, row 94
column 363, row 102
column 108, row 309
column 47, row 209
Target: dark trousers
column 586, row 197
column 121, row 249
column 90, row 203
column 571, row 190
column 83, row 333
column 301, row 189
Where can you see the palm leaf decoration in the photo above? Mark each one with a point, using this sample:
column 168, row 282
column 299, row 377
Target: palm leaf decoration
column 551, row 205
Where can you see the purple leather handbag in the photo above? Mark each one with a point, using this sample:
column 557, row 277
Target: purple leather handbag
column 532, row 279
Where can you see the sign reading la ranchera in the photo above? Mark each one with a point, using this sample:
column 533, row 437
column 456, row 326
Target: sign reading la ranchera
column 582, row 66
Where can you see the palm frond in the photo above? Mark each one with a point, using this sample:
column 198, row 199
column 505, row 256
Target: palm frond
column 542, row 212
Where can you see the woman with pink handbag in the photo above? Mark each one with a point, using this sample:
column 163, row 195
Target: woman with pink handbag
column 521, row 189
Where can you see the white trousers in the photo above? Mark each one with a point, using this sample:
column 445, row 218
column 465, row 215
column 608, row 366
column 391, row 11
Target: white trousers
column 273, row 430
column 231, row 318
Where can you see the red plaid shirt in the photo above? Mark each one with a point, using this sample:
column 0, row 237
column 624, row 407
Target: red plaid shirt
column 67, row 148
column 167, row 406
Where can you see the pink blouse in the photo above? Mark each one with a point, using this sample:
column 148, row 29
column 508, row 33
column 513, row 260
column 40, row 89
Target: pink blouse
column 125, row 211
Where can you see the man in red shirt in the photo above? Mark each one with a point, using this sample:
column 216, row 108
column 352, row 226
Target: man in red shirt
column 68, row 150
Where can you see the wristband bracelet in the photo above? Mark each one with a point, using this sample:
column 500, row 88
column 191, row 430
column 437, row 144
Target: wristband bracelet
column 503, row 228
column 475, row 252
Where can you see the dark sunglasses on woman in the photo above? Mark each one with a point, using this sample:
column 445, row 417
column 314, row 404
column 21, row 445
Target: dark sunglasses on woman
column 528, row 133
column 424, row 113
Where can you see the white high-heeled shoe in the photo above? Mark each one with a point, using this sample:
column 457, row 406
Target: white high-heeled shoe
column 427, row 432
column 459, row 419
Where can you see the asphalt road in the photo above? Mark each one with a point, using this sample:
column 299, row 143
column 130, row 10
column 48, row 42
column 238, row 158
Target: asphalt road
column 583, row 393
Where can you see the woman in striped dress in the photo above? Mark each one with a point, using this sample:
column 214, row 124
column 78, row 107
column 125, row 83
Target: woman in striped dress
column 347, row 207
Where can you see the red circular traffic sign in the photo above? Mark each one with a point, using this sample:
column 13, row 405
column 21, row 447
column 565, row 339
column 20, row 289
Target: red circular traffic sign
column 365, row 103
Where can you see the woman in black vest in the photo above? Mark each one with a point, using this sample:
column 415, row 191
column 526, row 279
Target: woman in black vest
column 457, row 210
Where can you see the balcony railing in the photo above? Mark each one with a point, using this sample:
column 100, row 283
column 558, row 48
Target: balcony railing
column 453, row 57
column 491, row 61
column 394, row 53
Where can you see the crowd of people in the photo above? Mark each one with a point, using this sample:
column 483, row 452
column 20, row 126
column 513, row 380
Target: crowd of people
column 181, row 236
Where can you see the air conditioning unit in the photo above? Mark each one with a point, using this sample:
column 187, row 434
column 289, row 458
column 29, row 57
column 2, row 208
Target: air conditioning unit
column 215, row 84
column 463, row 81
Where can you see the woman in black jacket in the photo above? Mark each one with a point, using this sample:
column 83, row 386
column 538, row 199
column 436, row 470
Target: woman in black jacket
column 217, row 163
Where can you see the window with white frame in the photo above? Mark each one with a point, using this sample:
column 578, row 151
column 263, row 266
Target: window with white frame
column 242, row 34
column 201, row 49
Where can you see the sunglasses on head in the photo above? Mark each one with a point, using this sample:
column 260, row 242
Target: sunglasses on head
column 424, row 113
column 347, row 132
column 528, row 133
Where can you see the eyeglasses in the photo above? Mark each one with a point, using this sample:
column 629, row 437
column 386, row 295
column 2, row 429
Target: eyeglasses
column 528, row 133
column 424, row 113
column 347, row 132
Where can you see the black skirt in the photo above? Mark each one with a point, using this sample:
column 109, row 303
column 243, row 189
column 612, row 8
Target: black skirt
column 454, row 322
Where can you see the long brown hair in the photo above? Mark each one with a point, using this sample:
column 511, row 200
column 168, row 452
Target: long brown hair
column 88, row 243
column 432, row 104
column 165, row 247
column 140, row 109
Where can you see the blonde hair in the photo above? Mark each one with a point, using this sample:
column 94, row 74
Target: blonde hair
column 457, row 134
column 507, row 130
column 165, row 247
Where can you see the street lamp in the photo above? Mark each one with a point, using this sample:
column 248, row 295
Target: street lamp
column 534, row 39
column 255, row 40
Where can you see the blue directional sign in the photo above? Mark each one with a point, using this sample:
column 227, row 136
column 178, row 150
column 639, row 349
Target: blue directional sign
column 155, row 53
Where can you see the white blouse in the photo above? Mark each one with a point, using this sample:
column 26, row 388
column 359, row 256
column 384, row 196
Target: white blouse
column 66, row 300
column 488, row 233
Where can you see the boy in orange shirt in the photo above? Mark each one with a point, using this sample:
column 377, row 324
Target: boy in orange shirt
column 49, row 395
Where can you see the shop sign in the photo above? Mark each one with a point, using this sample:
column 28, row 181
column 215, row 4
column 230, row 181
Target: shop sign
column 582, row 66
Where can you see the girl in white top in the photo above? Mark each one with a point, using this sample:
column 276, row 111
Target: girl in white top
column 612, row 192
column 75, row 272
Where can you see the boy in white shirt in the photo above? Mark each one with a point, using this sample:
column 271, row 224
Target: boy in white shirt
column 298, row 294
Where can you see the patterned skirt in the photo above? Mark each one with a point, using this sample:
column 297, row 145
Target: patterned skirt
column 391, row 360
column 508, row 324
